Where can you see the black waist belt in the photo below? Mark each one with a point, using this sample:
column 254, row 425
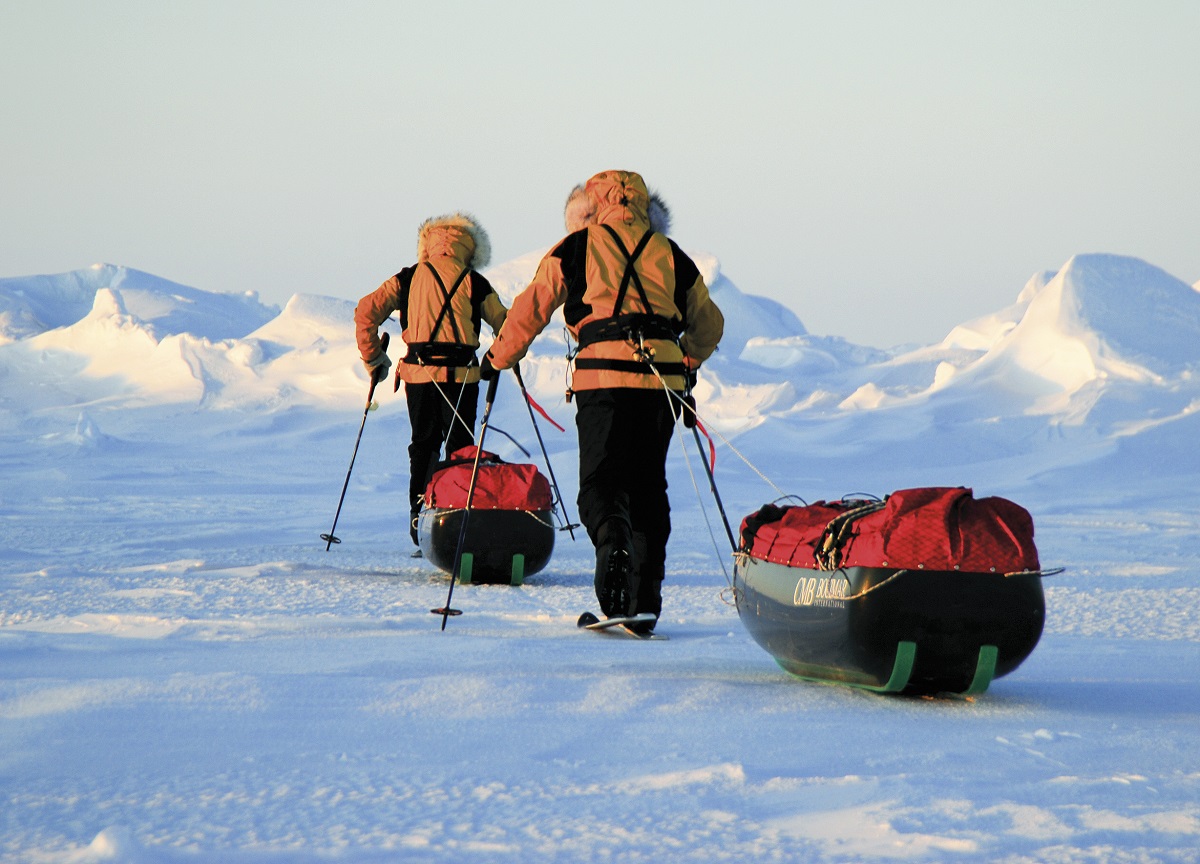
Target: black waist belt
column 635, row 366
column 630, row 326
column 440, row 354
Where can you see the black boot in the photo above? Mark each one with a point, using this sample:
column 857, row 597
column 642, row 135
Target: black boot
column 616, row 570
column 651, row 568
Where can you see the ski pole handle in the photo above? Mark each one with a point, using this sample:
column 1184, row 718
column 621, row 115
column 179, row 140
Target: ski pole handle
column 379, row 371
column 689, row 411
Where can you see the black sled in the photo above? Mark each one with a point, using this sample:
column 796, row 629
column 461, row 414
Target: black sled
column 927, row 592
column 510, row 532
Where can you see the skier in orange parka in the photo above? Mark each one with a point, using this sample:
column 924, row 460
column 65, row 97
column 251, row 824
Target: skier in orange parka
column 628, row 294
column 441, row 300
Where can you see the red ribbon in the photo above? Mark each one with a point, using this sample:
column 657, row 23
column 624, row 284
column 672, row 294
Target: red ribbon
column 712, row 448
column 538, row 408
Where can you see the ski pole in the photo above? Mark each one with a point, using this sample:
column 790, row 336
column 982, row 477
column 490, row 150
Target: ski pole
column 545, row 455
column 330, row 538
column 446, row 611
column 712, row 485
column 688, row 404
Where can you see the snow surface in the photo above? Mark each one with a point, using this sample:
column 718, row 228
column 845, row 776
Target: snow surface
column 188, row 675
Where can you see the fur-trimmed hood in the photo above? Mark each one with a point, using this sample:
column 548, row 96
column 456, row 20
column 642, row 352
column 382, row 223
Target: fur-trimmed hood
column 457, row 235
column 615, row 196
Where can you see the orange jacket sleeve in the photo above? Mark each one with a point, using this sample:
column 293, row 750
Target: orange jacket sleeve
column 705, row 326
column 370, row 313
column 531, row 312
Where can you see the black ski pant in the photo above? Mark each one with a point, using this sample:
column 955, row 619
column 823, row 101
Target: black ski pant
column 624, row 435
column 431, row 415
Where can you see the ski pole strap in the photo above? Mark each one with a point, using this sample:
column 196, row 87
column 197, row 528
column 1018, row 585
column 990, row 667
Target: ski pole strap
column 636, row 366
column 538, row 408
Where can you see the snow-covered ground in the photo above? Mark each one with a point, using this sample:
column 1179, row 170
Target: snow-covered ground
column 186, row 674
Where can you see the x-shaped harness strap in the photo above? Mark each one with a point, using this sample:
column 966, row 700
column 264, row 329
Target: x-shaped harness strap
column 447, row 296
column 630, row 272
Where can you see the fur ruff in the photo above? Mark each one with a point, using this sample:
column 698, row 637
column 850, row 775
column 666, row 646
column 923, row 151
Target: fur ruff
column 469, row 225
column 660, row 214
column 580, row 211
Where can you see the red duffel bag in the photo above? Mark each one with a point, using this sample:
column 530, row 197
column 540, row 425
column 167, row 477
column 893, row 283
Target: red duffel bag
column 499, row 485
column 932, row 528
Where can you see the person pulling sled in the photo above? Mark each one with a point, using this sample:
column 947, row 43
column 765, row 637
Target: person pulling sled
column 631, row 298
column 441, row 300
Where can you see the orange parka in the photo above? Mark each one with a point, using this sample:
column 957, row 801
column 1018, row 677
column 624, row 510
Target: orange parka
column 441, row 301
column 586, row 273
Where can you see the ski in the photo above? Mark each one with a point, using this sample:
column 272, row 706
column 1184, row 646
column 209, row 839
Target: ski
column 622, row 625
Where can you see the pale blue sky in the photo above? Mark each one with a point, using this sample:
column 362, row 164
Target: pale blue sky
column 886, row 169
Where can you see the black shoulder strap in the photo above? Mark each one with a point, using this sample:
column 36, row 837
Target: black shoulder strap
column 481, row 288
column 686, row 274
column 572, row 255
column 447, row 296
column 630, row 273
column 404, row 278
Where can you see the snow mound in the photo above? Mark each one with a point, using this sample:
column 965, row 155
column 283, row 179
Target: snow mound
column 510, row 278
column 34, row 304
column 120, row 347
column 114, row 844
column 87, row 434
column 1101, row 320
column 808, row 355
column 1121, row 311
column 982, row 334
column 308, row 319
column 748, row 316
column 1104, row 346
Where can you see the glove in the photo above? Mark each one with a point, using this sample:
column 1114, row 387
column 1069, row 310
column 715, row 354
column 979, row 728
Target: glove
column 486, row 370
column 689, row 401
column 378, row 367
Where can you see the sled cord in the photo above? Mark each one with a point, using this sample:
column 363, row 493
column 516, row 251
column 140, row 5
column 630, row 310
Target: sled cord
column 514, row 441
column 454, row 406
column 647, row 358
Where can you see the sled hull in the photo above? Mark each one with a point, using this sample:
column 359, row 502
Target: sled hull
column 895, row 631
column 504, row 546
